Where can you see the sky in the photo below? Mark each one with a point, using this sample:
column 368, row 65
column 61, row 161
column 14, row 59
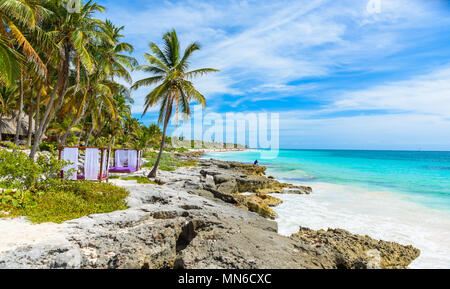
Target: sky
column 347, row 74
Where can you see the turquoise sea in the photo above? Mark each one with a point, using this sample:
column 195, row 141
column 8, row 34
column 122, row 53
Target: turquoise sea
column 401, row 196
column 423, row 177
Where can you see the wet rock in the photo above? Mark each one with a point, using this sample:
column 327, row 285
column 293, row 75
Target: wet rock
column 297, row 190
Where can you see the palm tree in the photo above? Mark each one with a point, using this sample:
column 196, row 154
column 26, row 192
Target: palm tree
column 18, row 19
column 171, row 75
column 154, row 133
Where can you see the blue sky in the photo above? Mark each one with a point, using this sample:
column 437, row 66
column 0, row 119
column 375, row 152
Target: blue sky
column 340, row 75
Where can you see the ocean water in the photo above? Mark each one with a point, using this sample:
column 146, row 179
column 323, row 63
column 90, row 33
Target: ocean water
column 399, row 196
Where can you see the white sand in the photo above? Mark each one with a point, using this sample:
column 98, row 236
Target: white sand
column 15, row 233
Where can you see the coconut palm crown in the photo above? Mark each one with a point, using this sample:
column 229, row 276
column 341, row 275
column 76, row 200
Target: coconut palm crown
column 171, row 75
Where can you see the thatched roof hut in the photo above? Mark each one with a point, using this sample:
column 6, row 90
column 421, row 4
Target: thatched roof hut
column 8, row 125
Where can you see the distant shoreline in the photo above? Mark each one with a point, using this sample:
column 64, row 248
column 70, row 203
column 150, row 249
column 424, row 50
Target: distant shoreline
column 217, row 150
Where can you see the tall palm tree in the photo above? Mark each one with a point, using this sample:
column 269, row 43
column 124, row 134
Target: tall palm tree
column 171, row 75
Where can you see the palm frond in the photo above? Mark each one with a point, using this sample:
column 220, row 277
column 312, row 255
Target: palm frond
column 155, row 61
column 27, row 48
column 200, row 72
column 9, row 63
column 77, row 39
column 172, row 47
column 157, row 51
column 184, row 63
column 146, row 82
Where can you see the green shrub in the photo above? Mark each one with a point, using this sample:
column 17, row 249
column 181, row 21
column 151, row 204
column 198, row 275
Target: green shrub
column 48, row 147
column 18, row 171
column 11, row 145
column 167, row 163
column 17, row 199
column 34, row 189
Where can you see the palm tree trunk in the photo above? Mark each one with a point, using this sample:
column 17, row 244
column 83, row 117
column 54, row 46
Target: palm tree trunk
column 1, row 117
column 92, row 128
column 61, row 82
column 40, row 131
column 88, row 136
column 38, row 108
column 30, row 120
column 76, row 119
column 63, row 138
column 19, row 117
column 163, row 142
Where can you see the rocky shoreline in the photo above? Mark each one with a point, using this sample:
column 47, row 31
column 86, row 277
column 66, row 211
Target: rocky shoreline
column 214, row 215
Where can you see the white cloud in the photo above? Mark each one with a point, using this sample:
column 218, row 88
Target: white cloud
column 262, row 47
column 428, row 94
column 275, row 42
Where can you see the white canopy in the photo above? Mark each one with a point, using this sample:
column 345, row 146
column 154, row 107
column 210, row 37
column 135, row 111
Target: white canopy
column 70, row 155
column 91, row 164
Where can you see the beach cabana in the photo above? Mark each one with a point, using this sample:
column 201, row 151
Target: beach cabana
column 126, row 160
column 86, row 163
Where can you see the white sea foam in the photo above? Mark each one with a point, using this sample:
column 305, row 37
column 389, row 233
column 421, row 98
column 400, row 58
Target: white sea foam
column 381, row 215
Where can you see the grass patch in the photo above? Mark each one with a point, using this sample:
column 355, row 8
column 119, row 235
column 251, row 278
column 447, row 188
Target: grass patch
column 168, row 162
column 70, row 200
column 140, row 180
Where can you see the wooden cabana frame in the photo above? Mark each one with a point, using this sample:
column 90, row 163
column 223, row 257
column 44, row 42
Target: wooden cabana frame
column 104, row 153
column 115, row 169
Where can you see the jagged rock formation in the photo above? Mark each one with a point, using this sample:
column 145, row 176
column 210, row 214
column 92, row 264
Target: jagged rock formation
column 359, row 252
column 183, row 224
column 232, row 181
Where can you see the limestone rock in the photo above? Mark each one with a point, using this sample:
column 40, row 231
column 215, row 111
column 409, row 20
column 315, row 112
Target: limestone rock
column 229, row 187
column 297, row 190
column 360, row 252
column 257, row 205
column 209, row 181
column 259, row 184
column 188, row 223
column 269, row 200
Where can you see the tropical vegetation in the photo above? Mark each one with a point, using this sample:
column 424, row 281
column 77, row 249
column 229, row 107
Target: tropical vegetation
column 65, row 79
column 33, row 189
column 66, row 71
column 65, row 75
